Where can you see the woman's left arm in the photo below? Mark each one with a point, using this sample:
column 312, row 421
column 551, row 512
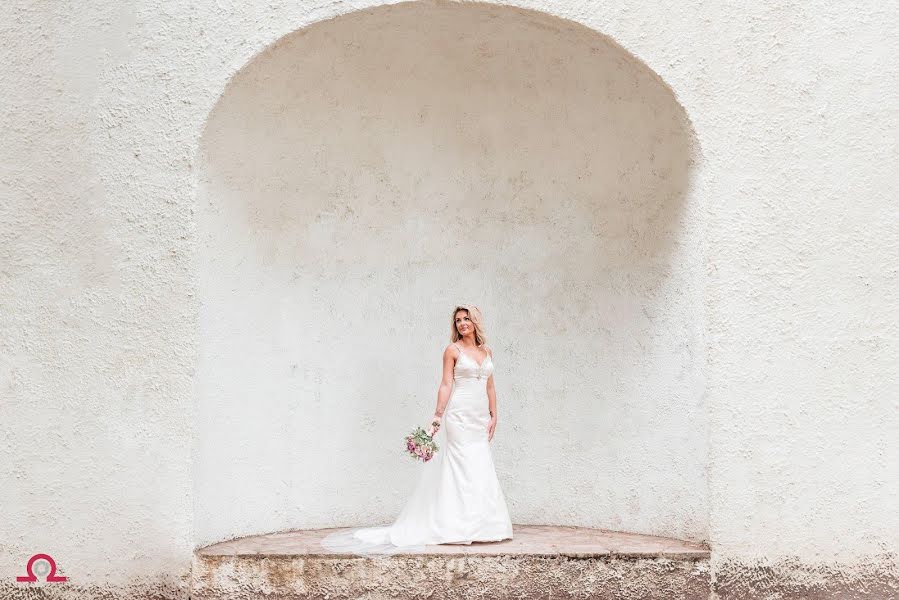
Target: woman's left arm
column 491, row 396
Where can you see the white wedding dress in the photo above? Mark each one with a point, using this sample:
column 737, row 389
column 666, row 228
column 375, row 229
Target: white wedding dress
column 458, row 498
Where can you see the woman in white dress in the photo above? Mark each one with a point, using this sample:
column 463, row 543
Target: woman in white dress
column 458, row 498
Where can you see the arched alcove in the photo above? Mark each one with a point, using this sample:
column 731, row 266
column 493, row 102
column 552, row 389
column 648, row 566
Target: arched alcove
column 365, row 173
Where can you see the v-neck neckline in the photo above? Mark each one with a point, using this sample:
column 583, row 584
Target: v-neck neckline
column 481, row 364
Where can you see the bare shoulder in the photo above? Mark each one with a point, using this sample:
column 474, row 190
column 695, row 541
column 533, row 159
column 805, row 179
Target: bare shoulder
column 451, row 350
column 488, row 349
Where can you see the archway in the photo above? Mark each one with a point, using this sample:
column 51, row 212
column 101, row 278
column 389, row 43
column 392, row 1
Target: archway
column 365, row 173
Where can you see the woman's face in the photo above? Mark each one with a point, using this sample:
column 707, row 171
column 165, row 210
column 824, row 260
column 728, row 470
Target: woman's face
column 463, row 323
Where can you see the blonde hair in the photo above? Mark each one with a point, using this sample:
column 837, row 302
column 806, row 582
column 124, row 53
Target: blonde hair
column 480, row 338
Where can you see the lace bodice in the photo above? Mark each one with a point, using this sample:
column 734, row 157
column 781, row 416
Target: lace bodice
column 467, row 368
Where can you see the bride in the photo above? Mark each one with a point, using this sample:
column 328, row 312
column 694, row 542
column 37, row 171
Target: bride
column 458, row 498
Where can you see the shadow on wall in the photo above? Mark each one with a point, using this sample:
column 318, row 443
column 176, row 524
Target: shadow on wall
column 362, row 175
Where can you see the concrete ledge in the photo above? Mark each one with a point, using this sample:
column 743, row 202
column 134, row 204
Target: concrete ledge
column 540, row 562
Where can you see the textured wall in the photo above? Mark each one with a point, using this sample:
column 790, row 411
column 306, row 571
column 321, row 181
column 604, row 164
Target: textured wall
column 104, row 106
column 803, row 290
column 363, row 176
column 97, row 302
column 803, row 299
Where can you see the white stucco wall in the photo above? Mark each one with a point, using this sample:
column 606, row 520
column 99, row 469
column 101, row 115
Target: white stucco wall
column 803, row 242
column 104, row 106
column 365, row 175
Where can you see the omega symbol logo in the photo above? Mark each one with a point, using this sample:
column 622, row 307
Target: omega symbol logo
column 41, row 565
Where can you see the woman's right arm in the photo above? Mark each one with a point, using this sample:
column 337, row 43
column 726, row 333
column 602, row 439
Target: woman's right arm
column 446, row 384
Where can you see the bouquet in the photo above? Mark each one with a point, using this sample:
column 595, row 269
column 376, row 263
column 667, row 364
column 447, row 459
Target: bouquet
column 420, row 444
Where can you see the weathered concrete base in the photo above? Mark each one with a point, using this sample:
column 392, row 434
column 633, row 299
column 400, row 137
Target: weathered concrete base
column 141, row 589
column 448, row 576
column 476, row 573
column 541, row 562
column 872, row 578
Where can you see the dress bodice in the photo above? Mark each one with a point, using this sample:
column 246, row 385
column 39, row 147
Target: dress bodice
column 467, row 368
